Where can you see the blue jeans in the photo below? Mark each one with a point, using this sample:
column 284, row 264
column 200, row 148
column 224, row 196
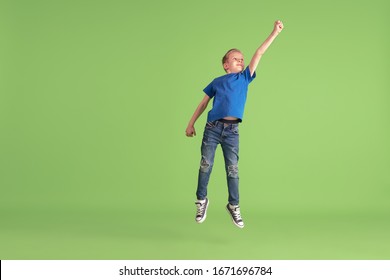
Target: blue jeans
column 227, row 135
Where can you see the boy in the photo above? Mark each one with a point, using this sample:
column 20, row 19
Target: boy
column 229, row 92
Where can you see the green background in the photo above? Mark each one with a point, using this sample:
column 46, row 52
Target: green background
column 95, row 97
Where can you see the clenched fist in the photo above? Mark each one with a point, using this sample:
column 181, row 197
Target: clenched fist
column 278, row 26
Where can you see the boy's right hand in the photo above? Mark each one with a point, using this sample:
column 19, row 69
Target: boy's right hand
column 190, row 131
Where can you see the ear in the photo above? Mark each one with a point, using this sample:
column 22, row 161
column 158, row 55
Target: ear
column 226, row 66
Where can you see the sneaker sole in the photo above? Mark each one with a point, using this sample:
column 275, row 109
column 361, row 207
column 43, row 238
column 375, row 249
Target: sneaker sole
column 205, row 214
column 230, row 215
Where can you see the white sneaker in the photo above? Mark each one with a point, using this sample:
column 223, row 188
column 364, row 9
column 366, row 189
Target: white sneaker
column 201, row 210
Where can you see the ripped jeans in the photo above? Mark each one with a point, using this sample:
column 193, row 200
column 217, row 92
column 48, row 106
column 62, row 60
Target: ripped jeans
column 227, row 135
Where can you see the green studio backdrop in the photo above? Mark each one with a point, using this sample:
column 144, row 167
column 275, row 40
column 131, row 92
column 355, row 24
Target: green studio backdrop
column 95, row 97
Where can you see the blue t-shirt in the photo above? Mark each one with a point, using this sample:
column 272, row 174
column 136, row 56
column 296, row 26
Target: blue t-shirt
column 229, row 92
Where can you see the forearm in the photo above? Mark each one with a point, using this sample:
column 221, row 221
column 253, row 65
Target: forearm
column 190, row 131
column 278, row 26
column 262, row 49
column 199, row 110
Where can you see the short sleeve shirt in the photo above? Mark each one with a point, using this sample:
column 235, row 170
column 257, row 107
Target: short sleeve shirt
column 229, row 93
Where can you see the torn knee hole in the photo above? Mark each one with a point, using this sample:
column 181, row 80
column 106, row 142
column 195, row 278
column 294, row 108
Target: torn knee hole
column 233, row 171
column 204, row 164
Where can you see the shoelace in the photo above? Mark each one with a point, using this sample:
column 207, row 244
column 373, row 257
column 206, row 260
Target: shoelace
column 200, row 207
column 237, row 214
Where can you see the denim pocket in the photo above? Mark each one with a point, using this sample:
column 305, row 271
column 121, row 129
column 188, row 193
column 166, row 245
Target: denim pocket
column 235, row 130
column 210, row 125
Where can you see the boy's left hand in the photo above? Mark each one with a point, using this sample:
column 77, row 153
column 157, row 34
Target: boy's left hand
column 278, row 26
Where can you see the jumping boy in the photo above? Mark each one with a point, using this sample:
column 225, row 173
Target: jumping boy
column 229, row 92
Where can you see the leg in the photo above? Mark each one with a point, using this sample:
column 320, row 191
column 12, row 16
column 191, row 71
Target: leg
column 230, row 151
column 230, row 147
column 210, row 142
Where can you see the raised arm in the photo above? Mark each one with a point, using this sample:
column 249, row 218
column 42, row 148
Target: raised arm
column 190, row 130
column 278, row 26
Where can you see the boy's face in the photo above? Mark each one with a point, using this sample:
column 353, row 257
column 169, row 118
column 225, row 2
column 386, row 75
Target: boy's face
column 235, row 63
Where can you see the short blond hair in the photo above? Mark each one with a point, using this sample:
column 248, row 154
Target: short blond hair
column 226, row 56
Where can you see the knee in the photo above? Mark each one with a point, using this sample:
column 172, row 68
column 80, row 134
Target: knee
column 205, row 165
column 232, row 171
